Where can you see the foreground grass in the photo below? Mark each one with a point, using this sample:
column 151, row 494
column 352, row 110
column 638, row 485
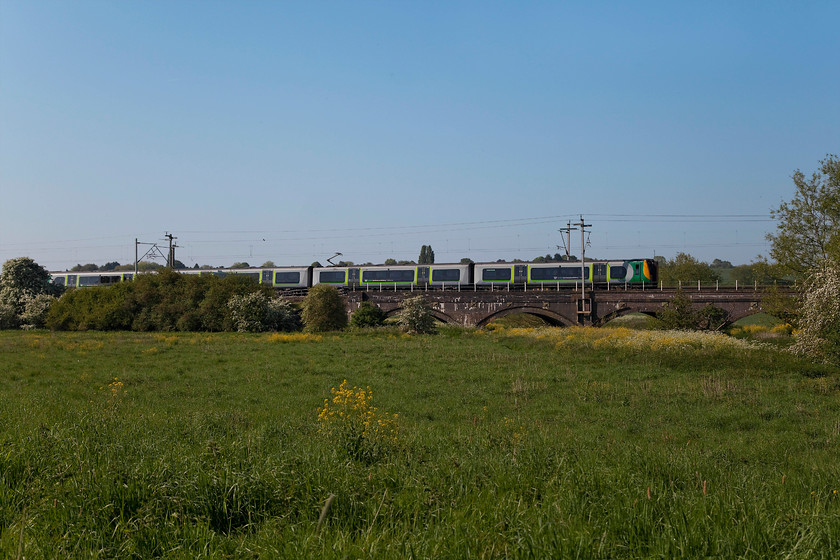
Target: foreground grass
column 517, row 443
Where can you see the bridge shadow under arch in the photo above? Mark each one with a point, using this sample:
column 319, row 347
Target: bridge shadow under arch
column 550, row 317
column 442, row 317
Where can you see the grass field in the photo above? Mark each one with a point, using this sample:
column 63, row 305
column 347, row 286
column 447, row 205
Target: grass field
column 516, row 443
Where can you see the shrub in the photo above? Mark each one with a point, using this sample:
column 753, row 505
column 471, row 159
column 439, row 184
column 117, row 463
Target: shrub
column 678, row 314
column 367, row 315
column 258, row 312
column 324, row 309
column 35, row 310
column 416, row 316
column 25, row 293
column 819, row 332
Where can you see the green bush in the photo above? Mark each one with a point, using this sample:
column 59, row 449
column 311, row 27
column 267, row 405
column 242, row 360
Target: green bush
column 324, row 309
column 367, row 315
column 166, row 301
column 679, row 314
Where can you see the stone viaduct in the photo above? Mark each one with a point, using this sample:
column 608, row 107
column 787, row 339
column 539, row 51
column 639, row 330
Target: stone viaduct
column 557, row 307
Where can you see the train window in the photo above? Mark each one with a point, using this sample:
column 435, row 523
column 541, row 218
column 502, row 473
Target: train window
column 59, row 280
column 571, row 272
column 128, row 277
column 618, row 272
column 88, row 280
column 333, row 276
column 71, row 281
column 287, row 277
column 555, row 273
column 109, row 279
column 251, row 275
column 496, row 274
column 552, row 273
column 446, row 275
column 388, row 275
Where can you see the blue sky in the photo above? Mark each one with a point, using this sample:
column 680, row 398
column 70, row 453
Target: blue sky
column 288, row 131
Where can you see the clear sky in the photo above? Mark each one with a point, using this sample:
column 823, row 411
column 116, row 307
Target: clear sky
column 288, row 131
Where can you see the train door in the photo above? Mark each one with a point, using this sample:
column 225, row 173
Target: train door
column 599, row 272
column 520, row 273
column 267, row 277
column 353, row 276
column 422, row 275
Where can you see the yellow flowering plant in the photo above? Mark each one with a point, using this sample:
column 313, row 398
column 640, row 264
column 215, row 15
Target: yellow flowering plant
column 350, row 417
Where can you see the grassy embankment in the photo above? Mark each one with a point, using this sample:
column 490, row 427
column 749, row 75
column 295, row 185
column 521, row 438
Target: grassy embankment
column 518, row 443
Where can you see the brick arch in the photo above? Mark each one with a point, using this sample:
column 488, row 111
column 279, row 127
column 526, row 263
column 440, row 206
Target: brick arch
column 747, row 313
column 549, row 316
column 440, row 316
column 621, row 312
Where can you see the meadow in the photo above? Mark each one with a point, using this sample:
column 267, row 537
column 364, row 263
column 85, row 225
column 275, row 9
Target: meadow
column 511, row 443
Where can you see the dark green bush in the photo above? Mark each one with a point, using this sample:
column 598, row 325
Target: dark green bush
column 324, row 309
column 367, row 315
column 166, row 301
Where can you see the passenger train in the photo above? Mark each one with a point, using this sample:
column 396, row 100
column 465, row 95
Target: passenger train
column 521, row 274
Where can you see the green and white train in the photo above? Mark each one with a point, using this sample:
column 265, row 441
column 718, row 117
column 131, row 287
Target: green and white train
column 637, row 272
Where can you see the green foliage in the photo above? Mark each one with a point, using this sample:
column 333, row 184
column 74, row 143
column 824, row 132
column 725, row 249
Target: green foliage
column 9, row 318
column 808, row 230
column 427, row 255
column 686, row 269
column 324, row 309
column 466, row 260
column 367, row 315
column 90, row 267
column 819, row 325
column 240, row 265
column 259, row 312
column 166, row 301
column 416, row 317
column 679, row 314
column 782, row 305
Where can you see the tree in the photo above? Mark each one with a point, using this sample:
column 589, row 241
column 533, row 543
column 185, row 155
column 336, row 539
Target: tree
column 90, row 267
column 25, row 293
column 679, row 313
column 819, row 334
column 416, row 316
column 390, row 262
column 268, row 264
column 466, row 260
column 685, row 268
column 324, row 309
column 808, row 231
column 240, row 265
column 367, row 315
column 259, row 312
column 427, row 255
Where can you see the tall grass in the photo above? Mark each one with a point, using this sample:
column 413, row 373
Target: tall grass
column 518, row 443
